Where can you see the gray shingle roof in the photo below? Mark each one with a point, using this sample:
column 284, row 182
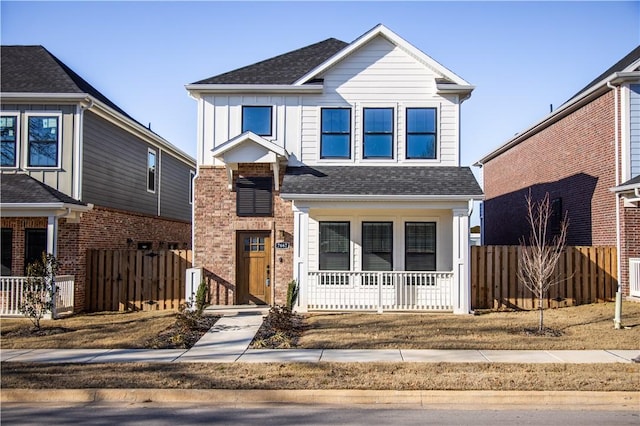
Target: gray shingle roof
column 282, row 69
column 33, row 69
column 21, row 188
column 386, row 180
column 634, row 181
column 623, row 63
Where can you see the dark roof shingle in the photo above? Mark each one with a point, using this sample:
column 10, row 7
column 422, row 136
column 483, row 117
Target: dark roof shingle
column 282, row 69
column 20, row 188
column 384, row 180
column 33, row 69
column 623, row 63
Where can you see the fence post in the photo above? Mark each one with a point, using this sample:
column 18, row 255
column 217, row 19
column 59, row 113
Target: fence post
column 379, row 292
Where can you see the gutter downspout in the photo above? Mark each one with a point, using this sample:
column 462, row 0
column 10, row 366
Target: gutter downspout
column 617, row 321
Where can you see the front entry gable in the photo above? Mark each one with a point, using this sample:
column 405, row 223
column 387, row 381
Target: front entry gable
column 250, row 148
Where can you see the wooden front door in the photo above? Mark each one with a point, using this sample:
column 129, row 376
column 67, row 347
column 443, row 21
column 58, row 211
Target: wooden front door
column 253, row 274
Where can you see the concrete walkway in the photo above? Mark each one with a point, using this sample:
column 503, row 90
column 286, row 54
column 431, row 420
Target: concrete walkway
column 229, row 338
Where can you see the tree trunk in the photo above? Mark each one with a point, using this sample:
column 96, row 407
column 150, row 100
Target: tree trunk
column 540, row 323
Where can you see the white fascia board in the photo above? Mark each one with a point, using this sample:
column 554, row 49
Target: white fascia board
column 57, row 97
column 132, row 126
column 625, row 188
column 375, row 198
column 41, row 209
column 249, row 136
column 393, row 38
column 565, row 109
column 195, row 90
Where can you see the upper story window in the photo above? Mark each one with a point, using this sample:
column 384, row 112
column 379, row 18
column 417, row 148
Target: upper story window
column 421, row 133
column 8, row 140
column 151, row 170
column 335, row 139
column 254, row 196
column 378, row 133
column 257, row 119
column 43, row 140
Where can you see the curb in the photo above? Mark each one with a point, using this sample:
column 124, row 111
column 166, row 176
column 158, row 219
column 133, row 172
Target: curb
column 462, row 400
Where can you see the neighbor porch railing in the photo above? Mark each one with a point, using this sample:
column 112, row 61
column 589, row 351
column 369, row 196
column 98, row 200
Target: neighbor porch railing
column 634, row 277
column 380, row 291
column 12, row 290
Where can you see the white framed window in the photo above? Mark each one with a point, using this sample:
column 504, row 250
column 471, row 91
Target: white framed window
column 9, row 131
column 151, row 170
column 335, row 133
column 43, row 139
column 257, row 119
column 192, row 176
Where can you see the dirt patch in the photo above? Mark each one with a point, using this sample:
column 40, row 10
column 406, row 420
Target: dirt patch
column 32, row 332
column 183, row 333
column 281, row 329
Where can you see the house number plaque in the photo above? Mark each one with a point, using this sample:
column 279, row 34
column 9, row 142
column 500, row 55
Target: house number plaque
column 282, row 245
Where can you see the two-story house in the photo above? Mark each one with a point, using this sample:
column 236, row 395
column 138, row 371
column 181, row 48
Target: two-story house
column 79, row 173
column 336, row 165
column 586, row 156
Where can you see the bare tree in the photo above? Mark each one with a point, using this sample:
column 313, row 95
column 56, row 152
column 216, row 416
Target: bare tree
column 541, row 253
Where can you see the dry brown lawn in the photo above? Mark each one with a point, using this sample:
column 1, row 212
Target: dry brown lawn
column 581, row 327
column 105, row 330
column 395, row 376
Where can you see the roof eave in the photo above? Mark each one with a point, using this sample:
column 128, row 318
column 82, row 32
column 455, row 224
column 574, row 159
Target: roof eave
column 378, row 197
column 21, row 96
column 567, row 108
column 42, row 209
column 203, row 89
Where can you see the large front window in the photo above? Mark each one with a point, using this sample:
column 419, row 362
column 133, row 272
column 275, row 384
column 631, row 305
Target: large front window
column 378, row 133
column 335, row 141
column 257, row 119
column 8, row 139
column 420, row 246
column 44, row 140
column 334, row 246
column 421, row 133
column 377, row 246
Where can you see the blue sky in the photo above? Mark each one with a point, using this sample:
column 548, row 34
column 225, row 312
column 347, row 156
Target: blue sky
column 521, row 56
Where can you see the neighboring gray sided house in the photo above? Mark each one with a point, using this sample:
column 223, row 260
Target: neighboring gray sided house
column 336, row 165
column 79, row 173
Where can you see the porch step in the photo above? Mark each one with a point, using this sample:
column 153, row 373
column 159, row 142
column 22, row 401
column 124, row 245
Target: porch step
column 234, row 310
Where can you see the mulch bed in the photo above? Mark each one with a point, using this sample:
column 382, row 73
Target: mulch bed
column 184, row 332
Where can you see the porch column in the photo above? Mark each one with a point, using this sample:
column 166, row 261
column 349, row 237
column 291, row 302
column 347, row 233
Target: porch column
column 300, row 258
column 52, row 235
column 461, row 293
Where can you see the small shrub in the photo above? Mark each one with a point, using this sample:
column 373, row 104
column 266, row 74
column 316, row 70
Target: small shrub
column 292, row 294
column 201, row 296
column 38, row 295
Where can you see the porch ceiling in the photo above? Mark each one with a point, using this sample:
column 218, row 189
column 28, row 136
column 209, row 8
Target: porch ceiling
column 399, row 182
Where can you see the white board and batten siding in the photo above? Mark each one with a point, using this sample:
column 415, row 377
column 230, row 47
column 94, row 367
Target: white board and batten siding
column 379, row 74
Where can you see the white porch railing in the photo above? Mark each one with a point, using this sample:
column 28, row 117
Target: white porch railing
column 12, row 290
column 380, row 291
column 634, row 277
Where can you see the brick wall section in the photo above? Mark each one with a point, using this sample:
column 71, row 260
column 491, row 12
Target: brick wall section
column 572, row 159
column 216, row 225
column 99, row 228
column 18, row 225
column 629, row 241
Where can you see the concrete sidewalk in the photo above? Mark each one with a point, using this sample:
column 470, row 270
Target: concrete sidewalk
column 229, row 339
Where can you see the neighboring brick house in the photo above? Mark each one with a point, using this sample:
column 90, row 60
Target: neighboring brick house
column 336, row 165
column 586, row 155
column 78, row 173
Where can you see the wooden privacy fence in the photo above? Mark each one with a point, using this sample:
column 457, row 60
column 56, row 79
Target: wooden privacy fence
column 586, row 274
column 134, row 280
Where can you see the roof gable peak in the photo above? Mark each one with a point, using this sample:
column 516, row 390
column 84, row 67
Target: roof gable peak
column 381, row 30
